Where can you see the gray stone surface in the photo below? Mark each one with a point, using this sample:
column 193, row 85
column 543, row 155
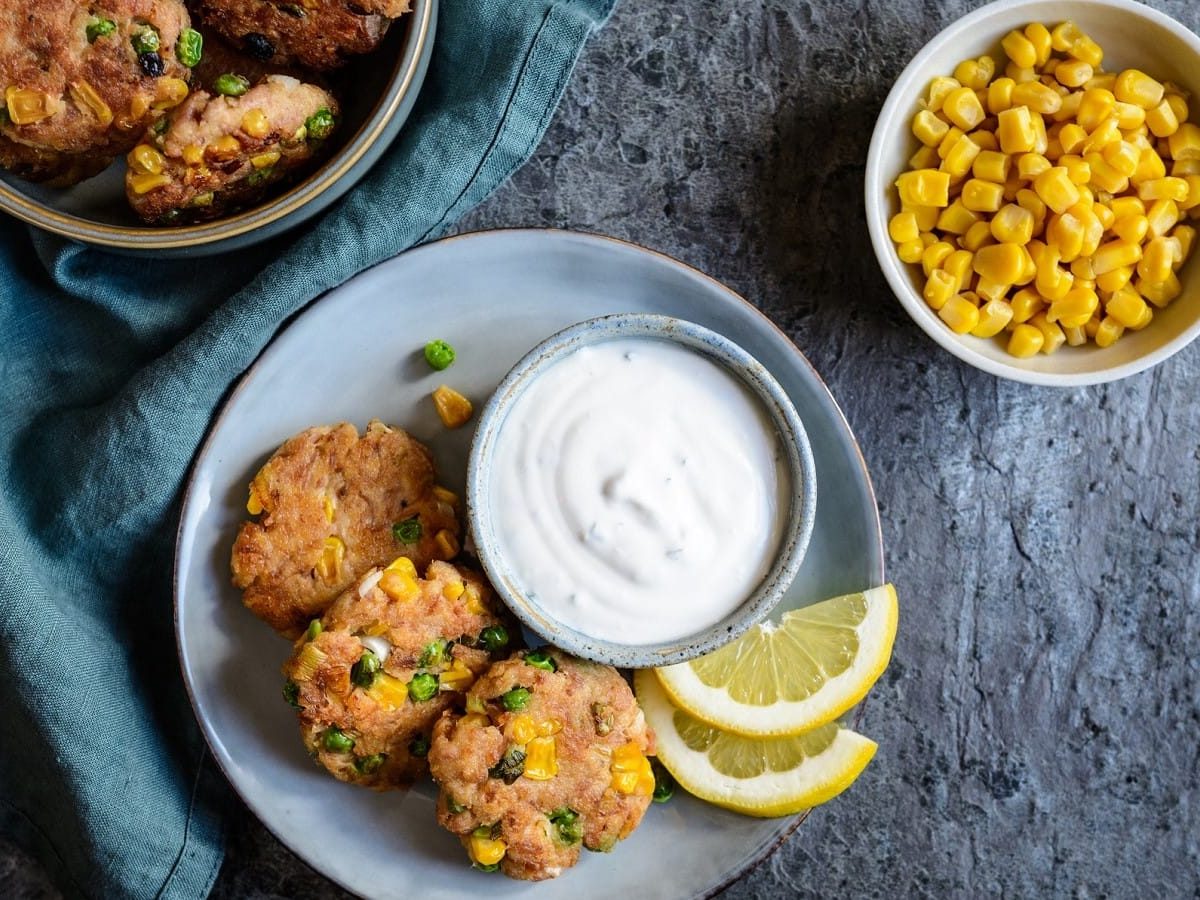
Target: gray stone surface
column 1039, row 725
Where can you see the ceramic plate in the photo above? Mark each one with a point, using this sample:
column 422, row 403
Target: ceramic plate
column 356, row 354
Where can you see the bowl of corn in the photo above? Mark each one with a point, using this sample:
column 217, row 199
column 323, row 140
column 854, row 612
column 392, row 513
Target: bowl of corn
column 1033, row 189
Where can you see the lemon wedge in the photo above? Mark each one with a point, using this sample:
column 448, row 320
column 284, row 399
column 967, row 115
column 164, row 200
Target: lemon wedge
column 754, row 776
column 793, row 677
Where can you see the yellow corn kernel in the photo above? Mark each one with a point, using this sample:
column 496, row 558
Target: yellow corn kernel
column 1073, row 310
column 1158, row 262
column 1127, row 308
column 1192, row 200
column 1072, row 72
column 404, row 566
column 548, row 727
column 1107, row 132
column 978, row 235
column 1168, row 188
column 475, row 604
column 1109, row 332
column 1160, row 294
column 1186, row 235
column 1039, row 98
column 1041, row 139
column 27, row 106
column 1055, row 188
column 991, row 166
column 388, row 691
column 935, row 255
column 1161, row 120
column 1020, row 75
column 541, row 759
column 975, row 73
column 224, row 147
column 521, row 729
column 329, row 564
column 1088, row 51
column 1082, row 269
column 256, row 124
column 1184, row 167
column 169, row 93
column 308, row 661
column 939, row 288
column 994, row 317
column 144, row 159
column 144, row 183
column 929, row 129
column 1104, row 214
column 139, row 106
column 910, row 251
column 485, row 851
column 1071, row 136
column 1114, row 255
column 962, row 107
column 1031, row 165
column 458, row 677
column 254, row 504
column 1104, row 176
column 1128, row 117
column 1136, row 87
column 1122, row 156
column 1002, row 263
column 985, row 139
column 447, row 544
column 1012, row 225
column 960, row 157
column 265, row 160
column 631, row 772
column 85, row 97
column 1114, row 280
column 452, row 407
column 903, row 227
column 925, row 158
column 447, row 496
column 999, row 95
column 193, row 154
column 1028, row 199
column 1025, row 341
column 453, row 590
column 956, row 218
column 982, row 196
column 1015, row 130
column 1039, row 36
column 400, row 586
column 1095, row 106
column 1070, row 108
column 1020, row 49
column 986, row 290
column 1052, row 336
column 1127, row 206
column 375, row 629
column 939, row 88
column 927, row 217
column 1162, row 216
column 1076, row 337
column 1065, row 233
column 1150, row 167
column 951, row 138
column 958, row 265
column 1079, row 173
column 1026, row 304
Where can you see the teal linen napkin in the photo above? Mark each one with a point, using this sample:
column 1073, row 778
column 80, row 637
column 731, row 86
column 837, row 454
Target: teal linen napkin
column 110, row 370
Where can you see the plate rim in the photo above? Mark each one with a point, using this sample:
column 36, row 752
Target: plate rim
column 205, row 446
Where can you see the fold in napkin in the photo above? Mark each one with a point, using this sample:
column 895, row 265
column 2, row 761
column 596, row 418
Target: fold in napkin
column 110, row 370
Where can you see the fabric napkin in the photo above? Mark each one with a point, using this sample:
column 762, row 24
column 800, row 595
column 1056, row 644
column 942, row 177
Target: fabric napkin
column 110, row 370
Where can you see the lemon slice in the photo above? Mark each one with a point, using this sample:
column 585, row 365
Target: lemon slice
column 795, row 676
column 755, row 776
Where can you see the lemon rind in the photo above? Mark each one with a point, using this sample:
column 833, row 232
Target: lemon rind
column 786, row 718
column 815, row 781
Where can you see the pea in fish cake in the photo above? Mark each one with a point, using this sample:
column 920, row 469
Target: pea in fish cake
column 222, row 151
column 549, row 758
column 81, row 82
column 371, row 676
column 329, row 506
column 315, row 34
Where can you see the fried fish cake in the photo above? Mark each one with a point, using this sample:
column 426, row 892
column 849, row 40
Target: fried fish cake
column 219, row 153
column 330, row 506
column 315, row 34
column 551, row 756
column 370, row 678
column 81, row 82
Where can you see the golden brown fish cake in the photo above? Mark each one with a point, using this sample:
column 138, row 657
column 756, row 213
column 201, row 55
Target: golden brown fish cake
column 332, row 505
column 79, row 83
column 551, row 756
column 315, row 34
column 392, row 653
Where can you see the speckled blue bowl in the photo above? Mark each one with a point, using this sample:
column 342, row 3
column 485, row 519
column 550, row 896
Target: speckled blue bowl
column 793, row 441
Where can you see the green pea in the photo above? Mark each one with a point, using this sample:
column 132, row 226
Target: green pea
column 540, row 659
column 491, row 832
column 291, row 693
column 494, row 638
column 567, row 825
column 407, row 531
column 145, row 41
column 510, row 766
column 369, row 765
column 433, row 654
column 423, row 687
column 98, row 28
column 314, row 628
column 190, row 47
column 516, row 699
column 320, row 124
column 439, row 355
column 364, row 671
column 664, row 784
column 419, row 746
column 337, row 741
column 229, row 85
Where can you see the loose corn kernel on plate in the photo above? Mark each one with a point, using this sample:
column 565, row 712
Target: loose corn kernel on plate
column 1044, row 210
column 353, row 356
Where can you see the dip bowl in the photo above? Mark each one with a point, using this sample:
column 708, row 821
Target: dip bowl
column 796, row 461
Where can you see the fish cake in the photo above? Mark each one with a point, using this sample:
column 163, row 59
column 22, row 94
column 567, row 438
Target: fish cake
column 219, row 153
column 314, row 34
column 371, row 676
column 80, row 82
column 330, row 505
column 550, row 757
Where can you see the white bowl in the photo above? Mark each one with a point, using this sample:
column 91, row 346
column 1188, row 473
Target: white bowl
column 1132, row 35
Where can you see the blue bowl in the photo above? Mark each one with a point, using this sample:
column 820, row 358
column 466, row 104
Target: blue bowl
column 794, row 440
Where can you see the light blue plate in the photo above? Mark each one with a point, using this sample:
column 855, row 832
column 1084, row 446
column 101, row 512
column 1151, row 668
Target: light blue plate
column 355, row 355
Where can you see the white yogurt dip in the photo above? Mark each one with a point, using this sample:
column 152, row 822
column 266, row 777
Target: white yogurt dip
column 639, row 491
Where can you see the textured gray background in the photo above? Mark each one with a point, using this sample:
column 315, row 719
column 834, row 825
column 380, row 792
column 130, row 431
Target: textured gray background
column 1039, row 724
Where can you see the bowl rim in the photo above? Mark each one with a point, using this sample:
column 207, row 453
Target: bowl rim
column 896, row 273
column 798, row 459
column 325, row 183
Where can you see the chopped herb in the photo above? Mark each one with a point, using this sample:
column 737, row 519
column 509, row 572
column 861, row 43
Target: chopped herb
column 369, row 765
column 664, row 784
column 320, row 124
column 314, row 628
column 145, row 41
column 408, row 531
column 454, row 806
column 433, row 654
column 510, row 767
column 567, row 825
column 490, row 867
column 291, row 693
column 419, row 746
